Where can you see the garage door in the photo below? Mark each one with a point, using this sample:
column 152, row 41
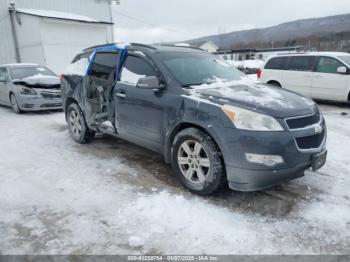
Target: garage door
column 62, row 40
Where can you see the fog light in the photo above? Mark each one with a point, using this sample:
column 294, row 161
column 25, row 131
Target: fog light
column 267, row 160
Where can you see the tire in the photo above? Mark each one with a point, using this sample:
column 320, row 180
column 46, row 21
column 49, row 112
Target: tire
column 14, row 104
column 77, row 126
column 197, row 162
column 275, row 83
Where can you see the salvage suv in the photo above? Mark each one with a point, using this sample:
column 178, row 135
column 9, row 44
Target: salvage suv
column 213, row 124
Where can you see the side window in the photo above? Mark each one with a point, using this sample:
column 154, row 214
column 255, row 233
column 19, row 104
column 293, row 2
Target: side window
column 328, row 65
column 278, row 63
column 135, row 68
column 301, row 63
column 3, row 74
column 104, row 68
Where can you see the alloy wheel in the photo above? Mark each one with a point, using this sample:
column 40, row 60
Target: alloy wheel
column 14, row 104
column 193, row 161
column 75, row 123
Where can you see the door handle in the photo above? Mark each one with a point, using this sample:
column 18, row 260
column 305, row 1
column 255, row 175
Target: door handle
column 122, row 95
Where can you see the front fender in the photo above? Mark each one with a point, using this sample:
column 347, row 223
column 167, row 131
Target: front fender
column 207, row 117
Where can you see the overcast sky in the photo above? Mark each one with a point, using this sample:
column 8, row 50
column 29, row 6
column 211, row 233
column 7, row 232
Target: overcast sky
column 175, row 20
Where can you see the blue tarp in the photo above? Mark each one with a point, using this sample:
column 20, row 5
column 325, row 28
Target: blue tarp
column 123, row 51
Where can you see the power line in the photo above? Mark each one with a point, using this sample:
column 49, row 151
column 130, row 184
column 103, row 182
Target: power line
column 154, row 25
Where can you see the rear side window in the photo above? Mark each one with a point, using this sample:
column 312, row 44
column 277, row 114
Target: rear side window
column 135, row 68
column 328, row 65
column 301, row 63
column 278, row 63
column 104, row 67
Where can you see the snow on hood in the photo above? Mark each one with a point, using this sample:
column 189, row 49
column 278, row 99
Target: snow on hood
column 39, row 79
column 275, row 101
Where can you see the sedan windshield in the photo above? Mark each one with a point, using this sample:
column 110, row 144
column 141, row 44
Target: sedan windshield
column 192, row 69
column 30, row 71
column 346, row 59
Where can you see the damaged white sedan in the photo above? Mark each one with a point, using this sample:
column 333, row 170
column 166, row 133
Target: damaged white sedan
column 29, row 87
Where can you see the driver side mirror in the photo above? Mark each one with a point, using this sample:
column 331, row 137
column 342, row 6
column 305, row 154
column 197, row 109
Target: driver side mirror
column 342, row 70
column 148, row 82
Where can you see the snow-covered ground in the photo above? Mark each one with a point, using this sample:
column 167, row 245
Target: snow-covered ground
column 111, row 197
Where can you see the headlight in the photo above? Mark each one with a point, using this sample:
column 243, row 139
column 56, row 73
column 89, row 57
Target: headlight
column 249, row 120
column 27, row 91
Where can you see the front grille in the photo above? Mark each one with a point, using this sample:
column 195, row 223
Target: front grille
column 310, row 142
column 301, row 122
column 51, row 105
column 51, row 95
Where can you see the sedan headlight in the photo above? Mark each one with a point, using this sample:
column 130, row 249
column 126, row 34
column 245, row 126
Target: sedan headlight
column 250, row 120
column 27, row 91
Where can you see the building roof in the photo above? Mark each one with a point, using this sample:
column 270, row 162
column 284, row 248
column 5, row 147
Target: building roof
column 19, row 64
column 261, row 50
column 200, row 43
column 60, row 15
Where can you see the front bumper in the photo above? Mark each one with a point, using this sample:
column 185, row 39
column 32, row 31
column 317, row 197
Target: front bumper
column 38, row 103
column 243, row 175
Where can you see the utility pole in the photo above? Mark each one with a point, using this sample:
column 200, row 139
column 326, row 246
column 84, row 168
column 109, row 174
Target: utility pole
column 111, row 14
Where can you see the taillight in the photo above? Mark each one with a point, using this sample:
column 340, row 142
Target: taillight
column 259, row 73
column 61, row 77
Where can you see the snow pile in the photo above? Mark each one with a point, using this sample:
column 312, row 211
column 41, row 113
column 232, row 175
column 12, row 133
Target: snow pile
column 256, row 64
column 182, row 44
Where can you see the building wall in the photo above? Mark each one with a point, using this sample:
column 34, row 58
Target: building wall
column 209, row 47
column 68, row 39
column 97, row 9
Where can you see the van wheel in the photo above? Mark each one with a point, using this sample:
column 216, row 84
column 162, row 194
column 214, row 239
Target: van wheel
column 197, row 162
column 14, row 104
column 78, row 129
column 274, row 83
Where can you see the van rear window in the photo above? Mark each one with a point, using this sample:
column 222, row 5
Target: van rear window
column 277, row 63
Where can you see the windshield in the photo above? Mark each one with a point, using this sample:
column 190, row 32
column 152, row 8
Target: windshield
column 192, row 69
column 346, row 59
column 30, row 71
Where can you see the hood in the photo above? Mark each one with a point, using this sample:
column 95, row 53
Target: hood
column 39, row 81
column 273, row 101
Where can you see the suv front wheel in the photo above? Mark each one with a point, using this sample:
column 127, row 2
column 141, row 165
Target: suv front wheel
column 197, row 162
column 78, row 129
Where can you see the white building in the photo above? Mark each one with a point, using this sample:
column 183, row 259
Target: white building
column 208, row 46
column 52, row 32
column 253, row 53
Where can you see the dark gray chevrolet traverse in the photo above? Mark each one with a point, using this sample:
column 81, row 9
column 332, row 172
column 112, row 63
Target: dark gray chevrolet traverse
column 213, row 124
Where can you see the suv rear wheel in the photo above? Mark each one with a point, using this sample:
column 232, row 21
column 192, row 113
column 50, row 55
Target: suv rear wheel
column 78, row 129
column 197, row 162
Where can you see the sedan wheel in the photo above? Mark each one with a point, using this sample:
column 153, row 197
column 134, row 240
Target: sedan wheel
column 14, row 104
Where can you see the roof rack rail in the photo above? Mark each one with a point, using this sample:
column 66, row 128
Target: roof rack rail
column 131, row 44
column 190, row 47
column 97, row 46
column 294, row 53
column 143, row 45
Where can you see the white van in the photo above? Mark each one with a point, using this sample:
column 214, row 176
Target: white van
column 321, row 75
